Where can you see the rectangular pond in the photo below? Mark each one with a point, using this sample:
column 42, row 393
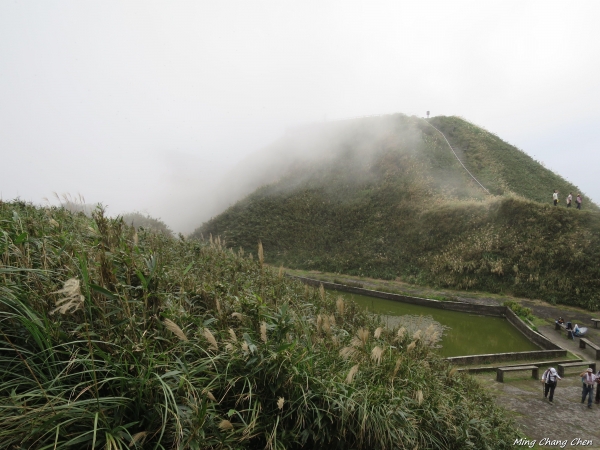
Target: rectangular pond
column 467, row 334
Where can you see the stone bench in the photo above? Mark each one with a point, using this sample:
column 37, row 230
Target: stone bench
column 500, row 371
column 583, row 342
column 561, row 367
column 596, row 322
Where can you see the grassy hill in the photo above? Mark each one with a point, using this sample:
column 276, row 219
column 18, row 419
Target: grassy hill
column 112, row 338
column 388, row 199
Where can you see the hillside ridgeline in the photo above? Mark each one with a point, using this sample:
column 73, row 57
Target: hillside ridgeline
column 389, row 199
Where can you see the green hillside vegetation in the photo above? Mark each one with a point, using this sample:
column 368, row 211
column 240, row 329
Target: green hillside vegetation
column 116, row 339
column 501, row 167
column 137, row 220
column 396, row 203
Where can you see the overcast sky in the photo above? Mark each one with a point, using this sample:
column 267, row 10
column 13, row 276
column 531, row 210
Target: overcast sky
column 146, row 105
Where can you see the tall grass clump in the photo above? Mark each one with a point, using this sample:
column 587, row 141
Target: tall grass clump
column 116, row 339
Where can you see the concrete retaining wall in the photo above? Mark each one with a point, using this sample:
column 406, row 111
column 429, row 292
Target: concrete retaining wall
column 551, row 350
column 501, row 357
column 533, row 336
column 484, row 310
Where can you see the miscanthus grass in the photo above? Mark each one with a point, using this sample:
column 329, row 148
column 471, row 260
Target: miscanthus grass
column 117, row 339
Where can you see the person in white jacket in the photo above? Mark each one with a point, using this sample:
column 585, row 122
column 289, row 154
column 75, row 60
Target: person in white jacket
column 550, row 379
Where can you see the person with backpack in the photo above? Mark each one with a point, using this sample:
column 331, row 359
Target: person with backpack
column 555, row 197
column 588, row 379
column 569, row 199
column 578, row 201
column 550, row 379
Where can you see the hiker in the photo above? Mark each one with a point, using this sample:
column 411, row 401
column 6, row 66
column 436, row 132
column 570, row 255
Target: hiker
column 555, row 197
column 588, row 379
column 569, row 330
column 550, row 378
column 578, row 201
column 569, row 199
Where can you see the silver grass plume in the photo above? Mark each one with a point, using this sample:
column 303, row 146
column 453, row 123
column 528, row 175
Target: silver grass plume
column 339, row 304
column 172, row 327
column 263, row 331
column 376, row 354
column 350, row 376
column 211, row 339
column 72, row 301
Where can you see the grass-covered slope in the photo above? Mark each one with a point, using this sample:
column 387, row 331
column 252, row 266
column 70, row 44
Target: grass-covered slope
column 408, row 209
column 501, row 167
column 113, row 339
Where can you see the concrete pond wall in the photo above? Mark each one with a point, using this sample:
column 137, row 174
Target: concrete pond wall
column 549, row 349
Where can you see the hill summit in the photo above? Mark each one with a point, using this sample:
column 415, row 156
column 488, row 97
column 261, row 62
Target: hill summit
column 440, row 202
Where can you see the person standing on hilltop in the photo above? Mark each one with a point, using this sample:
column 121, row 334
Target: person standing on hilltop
column 550, row 378
column 555, row 197
column 589, row 380
column 578, row 201
column 569, row 199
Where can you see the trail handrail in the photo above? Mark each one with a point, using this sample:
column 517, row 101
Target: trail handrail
column 461, row 163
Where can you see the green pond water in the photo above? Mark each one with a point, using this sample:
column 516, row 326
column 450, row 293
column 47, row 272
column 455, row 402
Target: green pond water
column 468, row 334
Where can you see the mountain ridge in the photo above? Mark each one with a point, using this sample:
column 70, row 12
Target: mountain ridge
column 391, row 200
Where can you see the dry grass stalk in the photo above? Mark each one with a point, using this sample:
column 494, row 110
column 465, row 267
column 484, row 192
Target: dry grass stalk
column 377, row 333
column 401, row 332
column 245, row 347
column 225, row 425
column 356, row 342
column 326, row 325
column 376, row 354
column 429, row 331
column 173, row 328
column 350, row 376
column 137, row 437
column 229, row 347
column 419, row 396
column 261, row 255
column 417, row 335
column 397, row 367
column 237, row 315
column 218, row 305
column 452, row 372
column 72, row 301
column 232, row 334
column 363, row 335
column 211, row 397
column 319, row 322
column 280, row 273
column 411, row 346
column 322, row 292
column 335, row 341
column 263, row 332
column 54, row 223
column 332, row 320
column 280, row 403
column 339, row 304
column 211, row 339
column 347, row 352
column 136, row 239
